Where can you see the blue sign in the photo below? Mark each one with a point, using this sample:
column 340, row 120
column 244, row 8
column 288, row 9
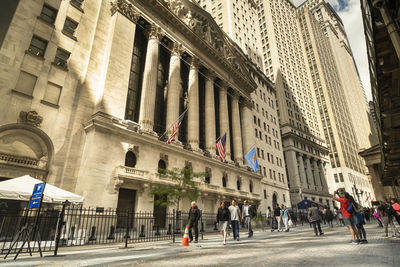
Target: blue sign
column 37, row 195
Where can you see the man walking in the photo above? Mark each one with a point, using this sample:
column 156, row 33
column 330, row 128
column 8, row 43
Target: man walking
column 235, row 218
column 247, row 214
column 285, row 217
column 194, row 216
column 277, row 214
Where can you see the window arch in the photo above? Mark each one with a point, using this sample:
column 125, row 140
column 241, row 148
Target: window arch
column 162, row 166
column 130, row 159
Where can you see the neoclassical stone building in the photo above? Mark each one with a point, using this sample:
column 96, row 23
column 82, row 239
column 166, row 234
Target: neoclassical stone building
column 89, row 87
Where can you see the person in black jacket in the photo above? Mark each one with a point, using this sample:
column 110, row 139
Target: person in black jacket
column 223, row 219
column 194, row 216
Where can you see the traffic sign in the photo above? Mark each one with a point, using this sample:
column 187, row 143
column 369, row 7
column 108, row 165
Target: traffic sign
column 37, row 195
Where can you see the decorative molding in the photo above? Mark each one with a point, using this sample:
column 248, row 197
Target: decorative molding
column 126, row 9
column 30, row 118
column 176, row 49
column 194, row 63
column 154, row 32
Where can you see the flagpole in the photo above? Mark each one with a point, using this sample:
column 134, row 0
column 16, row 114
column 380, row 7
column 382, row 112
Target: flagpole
column 220, row 137
column 173, row 124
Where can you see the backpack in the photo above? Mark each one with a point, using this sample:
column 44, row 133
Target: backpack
column 350, row 208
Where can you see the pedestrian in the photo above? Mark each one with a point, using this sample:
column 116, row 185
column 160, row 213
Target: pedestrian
column 329, row 217
column 223, row 220
column 247, row 215
column 377, row 217
column 194, row 216
column 268, row 217
column 387, row 214
column 367, row 213
column 277, row 214
column 346, row 203
column 396, row 207
column 324, row 215
column 315, row 217
column 236, row 217
column 285, row 217
column 335, row 215
column 359, row 222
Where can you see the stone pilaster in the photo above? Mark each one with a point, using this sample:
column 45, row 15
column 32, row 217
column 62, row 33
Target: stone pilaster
column 311, row 178
column 148, row 99
column 316, row 175
column 210, row 113
column 193, row 106
column 174, row 87
column 224, row 118
column 247, row 127
column 236, row 129
column 323, row 177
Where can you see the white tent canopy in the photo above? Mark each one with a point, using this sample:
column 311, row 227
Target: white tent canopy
column 21, row 188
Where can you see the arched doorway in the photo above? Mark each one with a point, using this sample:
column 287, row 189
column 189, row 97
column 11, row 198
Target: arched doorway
column 24, row 149
column 274, row 200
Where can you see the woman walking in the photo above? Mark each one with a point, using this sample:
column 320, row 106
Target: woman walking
column 315, row 219
column 347, row 206
column 223, row 219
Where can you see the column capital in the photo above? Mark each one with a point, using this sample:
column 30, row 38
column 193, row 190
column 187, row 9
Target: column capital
column 247, row 103
column 194, row 63
column 153, row 32
column 223, row 86
column 210, row 75
column 234, row 95
column 126, row 9
column 176, row 49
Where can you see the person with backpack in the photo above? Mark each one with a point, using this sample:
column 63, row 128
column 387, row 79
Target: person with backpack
column 347, row 209
column 396, row 207
column 387, row 213
column 329, row 217
column 315, row 217
column 359, row 222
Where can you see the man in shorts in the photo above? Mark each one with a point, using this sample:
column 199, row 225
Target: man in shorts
column 347, row 217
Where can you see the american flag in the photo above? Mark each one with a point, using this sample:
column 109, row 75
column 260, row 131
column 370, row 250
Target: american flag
column 175, row 128
column 221, row 147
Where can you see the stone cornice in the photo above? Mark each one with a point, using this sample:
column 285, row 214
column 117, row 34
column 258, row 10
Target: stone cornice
column 126, row 9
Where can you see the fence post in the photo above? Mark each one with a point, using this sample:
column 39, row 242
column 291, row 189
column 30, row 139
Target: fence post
column 59, row 228
column 173, row 226
column 201, row 225
column 127, row 229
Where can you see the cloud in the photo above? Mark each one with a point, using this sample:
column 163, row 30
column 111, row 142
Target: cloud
column 350, row 12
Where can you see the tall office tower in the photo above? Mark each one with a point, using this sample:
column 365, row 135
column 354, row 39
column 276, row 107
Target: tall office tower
column 340, row 95
column 347, row 166
column 354, row 93
column 238, row 18
column 285, row 64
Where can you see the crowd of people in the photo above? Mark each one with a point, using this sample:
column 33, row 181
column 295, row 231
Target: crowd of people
column 350, row 214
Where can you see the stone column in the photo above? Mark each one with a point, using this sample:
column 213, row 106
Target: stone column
column 311, row 179
column 148, row 99
column 318, row 179
column 174, row 87
column 193, row 106
column 323, row 177
column 224, row 118
column 302, row 171
column 236, row 129
column 247, row 127
column 210, row 113
column 293, row 171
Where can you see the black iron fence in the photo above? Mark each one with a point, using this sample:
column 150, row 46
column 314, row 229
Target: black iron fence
column 73, row 226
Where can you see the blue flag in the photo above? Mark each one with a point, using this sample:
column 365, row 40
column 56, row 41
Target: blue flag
column 251, row 158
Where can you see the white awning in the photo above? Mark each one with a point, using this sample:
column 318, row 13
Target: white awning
column 21, row 188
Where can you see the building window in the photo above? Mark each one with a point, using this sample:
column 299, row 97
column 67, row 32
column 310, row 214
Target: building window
column 48, row 14
column 61, row 58
column 238, row 184
column 130, row 159
column 251, row 187
column 341, row 177
column 37, row 46
column 77, row 3
column 52, row 94
column 224, row 181
column 26, row 83
column 284, row 198
column 70, row 27
column 265, row 194
column 162, row 166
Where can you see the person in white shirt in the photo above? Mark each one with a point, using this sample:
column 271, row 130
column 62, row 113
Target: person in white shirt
column 247, row 216
column 235, row 218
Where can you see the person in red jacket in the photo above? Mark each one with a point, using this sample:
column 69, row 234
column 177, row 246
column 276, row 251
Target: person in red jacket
column 345, row 199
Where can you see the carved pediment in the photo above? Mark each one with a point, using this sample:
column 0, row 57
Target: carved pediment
column 201, row 23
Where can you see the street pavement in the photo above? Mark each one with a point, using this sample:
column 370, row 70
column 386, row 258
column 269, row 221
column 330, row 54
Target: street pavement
column 299, row 247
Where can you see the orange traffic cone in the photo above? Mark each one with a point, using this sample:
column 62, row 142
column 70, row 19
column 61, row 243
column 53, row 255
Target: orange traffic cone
column 185, row 240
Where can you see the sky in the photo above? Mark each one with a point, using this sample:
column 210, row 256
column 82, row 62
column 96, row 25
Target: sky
column 350, row 12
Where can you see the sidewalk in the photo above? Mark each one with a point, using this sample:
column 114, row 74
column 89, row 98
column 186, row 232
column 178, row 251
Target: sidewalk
column 295, row 248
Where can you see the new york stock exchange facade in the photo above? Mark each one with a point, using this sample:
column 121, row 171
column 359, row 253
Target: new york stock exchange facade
column 134, row 67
